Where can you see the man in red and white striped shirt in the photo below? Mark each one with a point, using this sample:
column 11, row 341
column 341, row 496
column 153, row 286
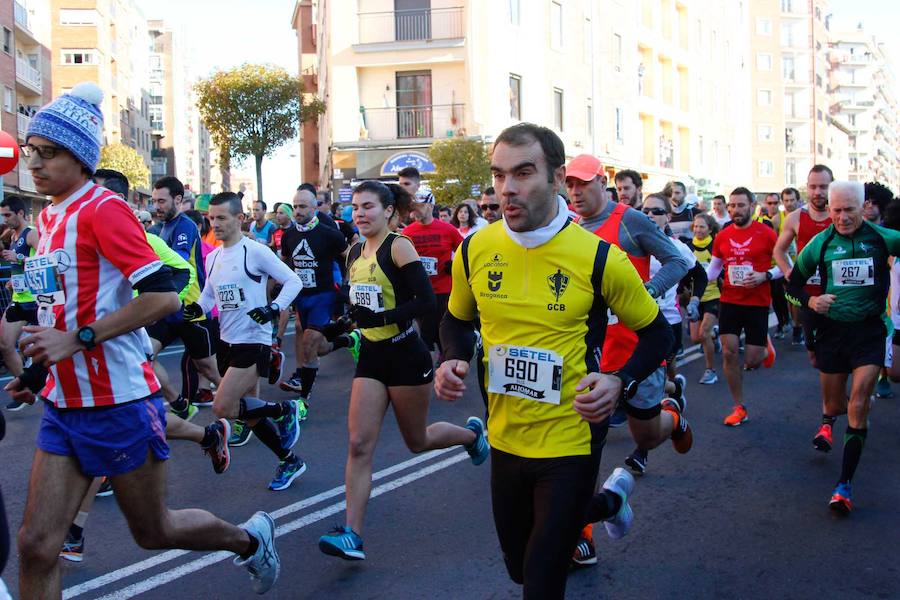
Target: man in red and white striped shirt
column 103, row 413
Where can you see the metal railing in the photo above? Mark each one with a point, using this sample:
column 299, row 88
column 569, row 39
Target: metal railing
column 402, row 122
column 22, row 123
column 29, row 74
column 21, row 15
column 417, row 24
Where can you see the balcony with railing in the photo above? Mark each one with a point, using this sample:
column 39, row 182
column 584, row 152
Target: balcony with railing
column 410, row 122
column 413, row 25
column 22, row 123
column 21, row 16
column 28, row 75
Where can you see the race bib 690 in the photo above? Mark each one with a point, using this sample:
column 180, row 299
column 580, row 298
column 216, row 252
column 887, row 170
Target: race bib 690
column 523, row 372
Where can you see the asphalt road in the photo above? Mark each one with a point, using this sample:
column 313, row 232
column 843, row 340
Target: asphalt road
column 743, row 515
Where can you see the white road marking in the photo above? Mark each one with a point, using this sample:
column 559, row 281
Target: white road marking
column 169, row 555
column 216, row 557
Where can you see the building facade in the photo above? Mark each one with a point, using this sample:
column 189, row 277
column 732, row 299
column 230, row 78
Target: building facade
column 863, row 88
column 25, row 77
column 641, row 90
column 106, row 42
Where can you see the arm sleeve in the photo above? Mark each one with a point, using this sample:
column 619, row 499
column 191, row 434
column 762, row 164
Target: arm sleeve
column 122, row 241
column 423, row 300
column 698, row 279
column 457, row 338
column 462, row 302
column 272, row 266
column 802, row 271
column 653, row 241
column 714, row 269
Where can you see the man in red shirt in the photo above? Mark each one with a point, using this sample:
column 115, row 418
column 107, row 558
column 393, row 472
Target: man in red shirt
column 435, row 241
column 744, row 251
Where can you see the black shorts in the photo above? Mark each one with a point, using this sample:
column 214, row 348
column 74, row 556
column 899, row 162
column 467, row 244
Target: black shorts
column 404, row 362
column 678, row 344
column 809, row 320
column 842, row 347
column 895, row 340
column 753, row 321
column 241, row 356
column 710, row 307
column 17, row 312
column 199, row 337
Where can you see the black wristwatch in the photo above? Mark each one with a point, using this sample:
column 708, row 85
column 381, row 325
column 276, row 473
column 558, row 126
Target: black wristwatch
column 87, row 337
column 768, row 276
column 629, row 385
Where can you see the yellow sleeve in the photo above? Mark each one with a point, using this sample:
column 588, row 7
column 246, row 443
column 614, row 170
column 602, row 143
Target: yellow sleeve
column 462, row 301
column 172, row 259
column 624, row 292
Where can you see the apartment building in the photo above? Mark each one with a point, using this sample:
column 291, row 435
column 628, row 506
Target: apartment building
column 863, row 95
column 106, row 41
column 25, row 78
column 180, row 140
column 656, row 85
column 792, row 128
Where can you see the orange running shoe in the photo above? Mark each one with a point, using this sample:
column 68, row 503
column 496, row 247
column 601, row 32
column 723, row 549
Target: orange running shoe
column 769, row 360
column 682, row 436
column 737, row 416
column 823, row 440
column 840, row 499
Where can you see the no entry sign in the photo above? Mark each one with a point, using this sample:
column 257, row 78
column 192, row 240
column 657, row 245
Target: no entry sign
column 9, row 153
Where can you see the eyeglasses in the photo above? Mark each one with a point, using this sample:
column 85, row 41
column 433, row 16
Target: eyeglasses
column 319, row 203
column 489, row 206
column 44, row 151
column 655, row 211
column 147, row 222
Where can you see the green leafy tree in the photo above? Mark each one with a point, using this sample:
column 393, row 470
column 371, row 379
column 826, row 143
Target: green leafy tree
column 127, row 161
column 252, row 110
column 459, row 164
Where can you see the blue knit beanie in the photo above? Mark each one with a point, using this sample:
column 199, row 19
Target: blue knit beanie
column 73, row 121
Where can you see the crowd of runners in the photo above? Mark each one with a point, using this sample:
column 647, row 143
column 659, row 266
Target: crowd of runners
column 567, row 289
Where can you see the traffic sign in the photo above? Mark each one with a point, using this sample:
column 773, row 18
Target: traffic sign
column 9, row 153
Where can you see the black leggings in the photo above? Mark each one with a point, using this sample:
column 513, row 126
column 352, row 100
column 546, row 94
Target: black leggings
column 779, row 302
column 540, row 507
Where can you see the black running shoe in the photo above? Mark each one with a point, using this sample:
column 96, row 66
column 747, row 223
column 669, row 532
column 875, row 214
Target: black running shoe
column 637, row 461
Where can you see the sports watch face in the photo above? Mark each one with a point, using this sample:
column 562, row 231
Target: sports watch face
column 86, row 336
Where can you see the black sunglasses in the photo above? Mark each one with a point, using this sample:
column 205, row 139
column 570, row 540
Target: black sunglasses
column 43, row 150
column 319, row 203
column 489, row 206
column 655, row 211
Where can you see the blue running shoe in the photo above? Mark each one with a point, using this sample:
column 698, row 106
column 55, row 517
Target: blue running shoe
column 883, row 388
column 288, row 470
column 342, row 542
column 618, row 418
column 264, row 566
column 479, row 449
column 620, row 483
column 840, row 499
column 289, row 426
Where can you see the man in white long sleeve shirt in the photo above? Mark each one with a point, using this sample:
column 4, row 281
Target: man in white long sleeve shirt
column 236, row 276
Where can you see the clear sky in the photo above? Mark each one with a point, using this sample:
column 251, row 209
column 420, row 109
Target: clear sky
column 879, row 18
column 227, row 33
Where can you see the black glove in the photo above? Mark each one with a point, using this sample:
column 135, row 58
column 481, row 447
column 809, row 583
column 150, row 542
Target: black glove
column 366, row 317
column 333, row 329
column 192, row 312
column 263, row 314
column 33, row 377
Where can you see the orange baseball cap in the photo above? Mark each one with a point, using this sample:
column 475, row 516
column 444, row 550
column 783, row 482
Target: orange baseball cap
column 584, row 167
